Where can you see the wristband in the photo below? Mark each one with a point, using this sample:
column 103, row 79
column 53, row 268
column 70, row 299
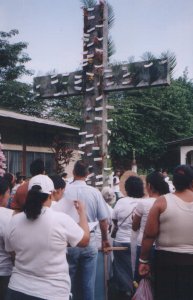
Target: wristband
column 142, row 261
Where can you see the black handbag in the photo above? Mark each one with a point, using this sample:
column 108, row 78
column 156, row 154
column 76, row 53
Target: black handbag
column 114, row 231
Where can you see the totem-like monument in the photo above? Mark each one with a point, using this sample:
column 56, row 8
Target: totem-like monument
column 94, row 82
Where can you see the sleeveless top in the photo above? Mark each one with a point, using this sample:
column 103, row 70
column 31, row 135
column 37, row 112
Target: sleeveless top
column 176, row 224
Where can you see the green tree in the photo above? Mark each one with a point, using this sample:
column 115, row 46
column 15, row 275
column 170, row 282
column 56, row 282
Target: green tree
column 15, row 95
column 66, row 110
column 146, row 120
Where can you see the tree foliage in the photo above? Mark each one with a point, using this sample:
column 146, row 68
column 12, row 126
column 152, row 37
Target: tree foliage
column 66, row 110
column 147, row 119
column 12, row 57
column 15, row 95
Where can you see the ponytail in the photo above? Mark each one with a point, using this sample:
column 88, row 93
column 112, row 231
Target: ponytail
column 34, row 202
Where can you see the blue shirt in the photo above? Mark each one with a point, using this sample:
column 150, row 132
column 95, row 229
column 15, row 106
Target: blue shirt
column 96, row 209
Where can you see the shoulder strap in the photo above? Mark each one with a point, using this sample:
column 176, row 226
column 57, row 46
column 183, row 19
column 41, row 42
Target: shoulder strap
column 127, row 217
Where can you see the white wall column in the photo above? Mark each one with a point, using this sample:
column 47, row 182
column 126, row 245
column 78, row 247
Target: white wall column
column 183, row 153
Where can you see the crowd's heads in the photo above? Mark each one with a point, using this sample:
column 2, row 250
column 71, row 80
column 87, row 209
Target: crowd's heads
column 19, row 178
column 156, row 183
column 59, row 186
column 80, row 169
column 165, row 172
column 117, row 172
column 64, row 175
column 134, row 187
column 40, row 189
column 108, row 194
column 58, row 182
column 183, row 177
column 4, row 192
column 10, row 178
column 37, row 167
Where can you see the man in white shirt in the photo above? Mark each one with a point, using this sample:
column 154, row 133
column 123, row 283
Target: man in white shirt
column 83, row 261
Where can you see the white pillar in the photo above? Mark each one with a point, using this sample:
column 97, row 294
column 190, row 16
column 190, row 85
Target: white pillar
column 183, row 153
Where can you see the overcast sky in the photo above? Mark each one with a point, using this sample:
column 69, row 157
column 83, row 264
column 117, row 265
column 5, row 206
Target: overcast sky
column 53, row 31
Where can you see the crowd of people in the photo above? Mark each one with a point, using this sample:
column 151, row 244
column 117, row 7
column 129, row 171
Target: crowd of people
column 52, row 228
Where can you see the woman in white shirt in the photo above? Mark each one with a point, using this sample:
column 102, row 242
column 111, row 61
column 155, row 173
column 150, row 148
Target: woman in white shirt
column 122, row 216
column 170, row 224
column 39, row 237
column 155, row 186
column 6, row 263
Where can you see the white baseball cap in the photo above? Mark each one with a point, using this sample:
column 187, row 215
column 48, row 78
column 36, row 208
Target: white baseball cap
column 44, row 182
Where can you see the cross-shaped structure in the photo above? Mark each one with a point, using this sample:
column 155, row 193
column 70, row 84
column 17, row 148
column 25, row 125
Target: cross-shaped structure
column 94, row 82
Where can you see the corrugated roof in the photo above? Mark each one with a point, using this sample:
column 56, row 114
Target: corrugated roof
column 18, row 116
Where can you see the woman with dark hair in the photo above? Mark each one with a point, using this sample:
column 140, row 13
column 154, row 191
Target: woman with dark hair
column 169, row 225
column 4, row 192
column 122, row 217
column 155, row 186
column 59, row 187
column 5, row 257
column 39, row 237
column 10, row 178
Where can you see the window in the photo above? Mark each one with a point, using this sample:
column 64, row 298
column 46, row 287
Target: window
column 13, row 161
column 48, row 159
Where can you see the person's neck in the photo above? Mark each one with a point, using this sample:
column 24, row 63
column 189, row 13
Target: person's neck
column 79, row 178
column 2, row 202
column 48, row 202
column 154, row 195
column 186, row 195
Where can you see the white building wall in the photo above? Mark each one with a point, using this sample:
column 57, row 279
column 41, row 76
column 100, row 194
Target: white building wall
column 183, row 153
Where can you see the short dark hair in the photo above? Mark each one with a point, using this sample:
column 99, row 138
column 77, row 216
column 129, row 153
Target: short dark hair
column 80, row 169
column 4, row 186
column 182, row 177
column 37, row 167
column 9, row 178
column 157, row 183
column 134, row 187
column 59, row 183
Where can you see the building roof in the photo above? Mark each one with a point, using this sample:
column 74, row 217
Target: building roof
column 181, row 141
column 22, row 117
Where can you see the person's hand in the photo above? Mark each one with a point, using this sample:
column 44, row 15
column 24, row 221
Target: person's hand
column 144, row 269
column 79, row 207
column 106, row 246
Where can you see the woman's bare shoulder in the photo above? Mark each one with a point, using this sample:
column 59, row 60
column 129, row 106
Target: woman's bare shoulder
column 160, row 204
